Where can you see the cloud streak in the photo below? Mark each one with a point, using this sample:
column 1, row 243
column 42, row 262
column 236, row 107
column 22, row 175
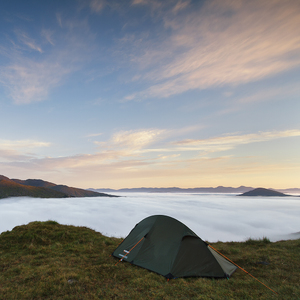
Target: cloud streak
column 29, row 81
column 134, row 139
column 231, row 141
column 225, row 43
column 29, row 42
column 28, row 78
column 22, row 144
column 15, row 151
column 97, row 5
column 140, row 147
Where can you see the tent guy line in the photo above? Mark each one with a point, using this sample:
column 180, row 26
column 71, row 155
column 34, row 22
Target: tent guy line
column 241, row 268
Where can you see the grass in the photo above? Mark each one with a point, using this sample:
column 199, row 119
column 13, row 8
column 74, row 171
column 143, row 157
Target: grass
column 46, row 260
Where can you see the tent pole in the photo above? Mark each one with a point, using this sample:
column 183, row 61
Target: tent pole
column 129, row 251
column 241, row 268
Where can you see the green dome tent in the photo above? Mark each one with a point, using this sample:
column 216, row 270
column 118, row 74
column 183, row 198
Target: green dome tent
column 166, row 246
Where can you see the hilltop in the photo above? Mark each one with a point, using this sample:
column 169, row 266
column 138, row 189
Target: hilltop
column 264, row 192
column 46, row 260
column 41, row 189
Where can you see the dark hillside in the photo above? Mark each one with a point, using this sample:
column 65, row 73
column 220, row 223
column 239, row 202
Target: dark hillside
column 3, row 177
column 35, row 182
column 264, row 192
column 41, row 189
column 9, row 188
column 70, row 191
column 75, row 192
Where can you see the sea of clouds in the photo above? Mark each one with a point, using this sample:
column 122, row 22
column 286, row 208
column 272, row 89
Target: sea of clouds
column 213, row 217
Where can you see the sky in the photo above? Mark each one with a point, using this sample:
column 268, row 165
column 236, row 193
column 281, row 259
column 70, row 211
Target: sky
column 140, row 93
column 212, row 217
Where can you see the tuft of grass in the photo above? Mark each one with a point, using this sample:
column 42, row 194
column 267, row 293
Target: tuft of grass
column 46, row 260
column 258, row 242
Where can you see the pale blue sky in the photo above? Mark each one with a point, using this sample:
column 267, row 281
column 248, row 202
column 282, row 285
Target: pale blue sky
column 118, row 94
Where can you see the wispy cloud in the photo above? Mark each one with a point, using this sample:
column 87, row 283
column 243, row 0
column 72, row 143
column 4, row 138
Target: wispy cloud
column 153, row 4
column 29, row 81
column 12, row 157
column 267, row 94
column 123, row 151
column 140, row 147
column 29, row 42
column 97, row 5
column 133, row 139
column 228, row 142
column 48, row 35
column 14, row 151
column 30, row 78
column 59, row 19
column 22, row 144
column 180, row 5
column 94, row 134
column 224, row 43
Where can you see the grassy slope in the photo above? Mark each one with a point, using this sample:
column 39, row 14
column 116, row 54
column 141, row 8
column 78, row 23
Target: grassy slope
column 70, row 191
column 75, row 192
column 8, row 188
column 46, row 260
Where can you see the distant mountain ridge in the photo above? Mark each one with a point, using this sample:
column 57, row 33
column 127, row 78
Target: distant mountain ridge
column 41, row 189
column 219, row 189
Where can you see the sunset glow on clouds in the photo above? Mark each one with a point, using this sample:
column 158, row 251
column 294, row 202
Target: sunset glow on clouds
column 151, row 93
column 229, row 42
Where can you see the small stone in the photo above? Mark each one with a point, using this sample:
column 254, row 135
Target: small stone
column 71, row 281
